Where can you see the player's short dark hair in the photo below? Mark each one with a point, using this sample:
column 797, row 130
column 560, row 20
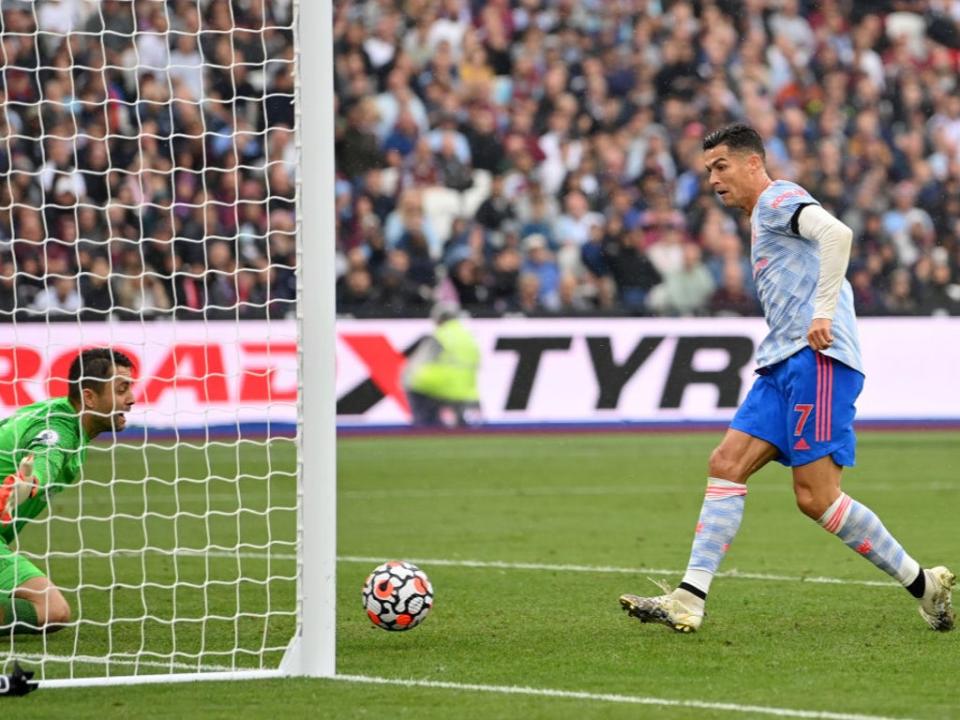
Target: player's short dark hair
column 93, row 368
column 738, row 136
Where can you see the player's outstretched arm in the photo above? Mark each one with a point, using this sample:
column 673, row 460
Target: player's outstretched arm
column 17, row 488
column 35, row 470
column 835, row 240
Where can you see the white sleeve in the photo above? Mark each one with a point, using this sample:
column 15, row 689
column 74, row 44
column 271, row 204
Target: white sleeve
column 835, row 239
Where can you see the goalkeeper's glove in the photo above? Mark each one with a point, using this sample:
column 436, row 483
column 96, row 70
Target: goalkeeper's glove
column 18, row 682
column 16, row 488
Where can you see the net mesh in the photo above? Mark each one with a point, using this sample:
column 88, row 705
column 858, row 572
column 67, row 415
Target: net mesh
column 148, row 203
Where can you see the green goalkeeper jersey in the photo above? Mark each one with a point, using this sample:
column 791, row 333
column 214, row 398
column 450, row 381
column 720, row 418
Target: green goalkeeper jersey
column 50, row 430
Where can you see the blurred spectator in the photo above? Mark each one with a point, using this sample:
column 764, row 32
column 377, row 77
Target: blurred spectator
column 486, row 149
column 60, row 296
column 221, row 290
column 866, row 299
column 144, row 295
column 573, row 226
column 502, row 283
column 186, row 65
column 403, row 138
column 732, row 298
column 453, row 172
column 570, row 298
column 421, row 167
column 406, row 225
column 631, row 269
column 528, row 295
column 471, row 292
column 537, row 213
column 942, row 295
column 8, row 291
column 355, row 293
column 907, row 224
column 667, row 251
column 900, row 300
column 687, row 290
column 540, row 263
column 441, row 375
column 359, row 149
column 497, row 208
column 399, row 294
column 95, row 290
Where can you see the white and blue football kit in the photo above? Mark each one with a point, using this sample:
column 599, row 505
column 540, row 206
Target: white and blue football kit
column 803, row 400
column 802, row 403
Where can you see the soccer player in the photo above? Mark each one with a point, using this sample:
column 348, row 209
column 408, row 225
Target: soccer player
column 801, row 406
column 42, row 448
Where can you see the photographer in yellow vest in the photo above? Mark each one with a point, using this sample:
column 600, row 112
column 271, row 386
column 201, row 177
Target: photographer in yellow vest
column 441, row 375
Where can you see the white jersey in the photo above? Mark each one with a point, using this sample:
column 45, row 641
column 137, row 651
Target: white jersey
column 786, row 268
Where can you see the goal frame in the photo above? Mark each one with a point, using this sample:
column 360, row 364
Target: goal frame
column 312, row 649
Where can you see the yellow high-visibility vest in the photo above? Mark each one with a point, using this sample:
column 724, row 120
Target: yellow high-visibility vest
column 452, row 376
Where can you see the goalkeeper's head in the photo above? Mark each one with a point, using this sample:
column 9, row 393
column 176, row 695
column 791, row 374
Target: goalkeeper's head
column 101, row 387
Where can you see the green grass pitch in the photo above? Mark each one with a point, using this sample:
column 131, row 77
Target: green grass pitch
column 618, row 507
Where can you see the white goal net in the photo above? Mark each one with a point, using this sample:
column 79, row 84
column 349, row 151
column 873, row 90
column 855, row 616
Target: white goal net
column 149, row 203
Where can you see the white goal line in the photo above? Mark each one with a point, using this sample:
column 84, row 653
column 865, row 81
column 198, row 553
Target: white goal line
column 223, row 672
column 613, row 698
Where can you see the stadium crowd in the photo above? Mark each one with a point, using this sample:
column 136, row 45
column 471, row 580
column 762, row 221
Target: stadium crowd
column 543, row 156
column 147, row 158
column 514, row 156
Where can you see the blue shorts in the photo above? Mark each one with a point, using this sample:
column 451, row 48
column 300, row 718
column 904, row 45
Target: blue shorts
column 804, row 406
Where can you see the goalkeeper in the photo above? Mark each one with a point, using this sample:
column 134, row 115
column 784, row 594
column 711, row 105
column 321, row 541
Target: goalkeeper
column 42, row 448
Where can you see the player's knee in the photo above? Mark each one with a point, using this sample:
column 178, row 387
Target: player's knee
column 53, row 614
column 724, row 465
column 809, row 502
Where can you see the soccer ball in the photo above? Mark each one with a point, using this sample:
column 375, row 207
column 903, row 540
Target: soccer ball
column 397, row 596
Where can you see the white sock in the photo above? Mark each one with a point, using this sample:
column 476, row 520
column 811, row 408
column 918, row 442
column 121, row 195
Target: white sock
column 861, row 530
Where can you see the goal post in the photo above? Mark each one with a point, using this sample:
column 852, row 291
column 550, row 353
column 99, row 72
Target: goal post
column 168, row 191
column 313, row 650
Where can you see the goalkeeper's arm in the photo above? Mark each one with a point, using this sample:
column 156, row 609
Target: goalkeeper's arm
column 17, row 488
column 33, row 475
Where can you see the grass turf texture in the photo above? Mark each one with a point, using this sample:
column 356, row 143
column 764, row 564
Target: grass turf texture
column 599, row 500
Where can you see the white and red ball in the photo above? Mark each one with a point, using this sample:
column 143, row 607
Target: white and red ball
column 397, row 596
